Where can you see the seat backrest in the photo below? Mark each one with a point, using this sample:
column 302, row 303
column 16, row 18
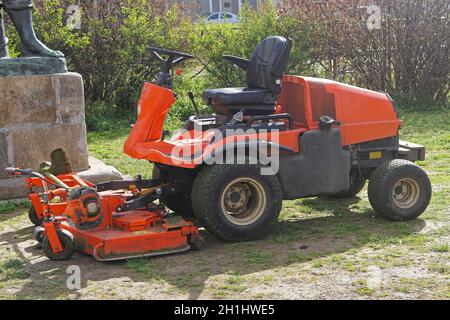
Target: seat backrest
column 268, row 64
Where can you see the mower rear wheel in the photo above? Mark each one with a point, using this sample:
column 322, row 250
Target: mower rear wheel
column 67, row 244
column 356, row 185
column 32, row 215
column 399, row 190
column 235, row 202
column 181, row 203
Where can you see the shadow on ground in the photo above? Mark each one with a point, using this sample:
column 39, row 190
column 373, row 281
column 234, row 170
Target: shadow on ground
column 294, row 240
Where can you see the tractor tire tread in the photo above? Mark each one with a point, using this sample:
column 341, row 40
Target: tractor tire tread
column 207, row 184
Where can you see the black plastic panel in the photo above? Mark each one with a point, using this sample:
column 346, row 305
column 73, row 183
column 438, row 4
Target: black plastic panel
column 321, row 168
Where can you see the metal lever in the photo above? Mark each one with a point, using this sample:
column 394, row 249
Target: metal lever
column 11, row 171
column 237, row 118
column 191, row 97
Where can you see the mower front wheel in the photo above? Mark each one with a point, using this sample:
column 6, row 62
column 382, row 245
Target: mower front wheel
column 67, row 244
column 399, row 190
column 235, row 202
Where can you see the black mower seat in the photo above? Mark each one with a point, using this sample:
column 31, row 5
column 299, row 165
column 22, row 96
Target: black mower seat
column 235, row 95
column 264, row 75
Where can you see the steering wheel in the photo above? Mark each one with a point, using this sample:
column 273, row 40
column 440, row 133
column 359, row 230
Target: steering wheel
column 170, row 52
column 174, row 58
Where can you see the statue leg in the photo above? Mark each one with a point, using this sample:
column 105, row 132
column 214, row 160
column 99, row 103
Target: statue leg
column 21, row 16
column 3, row 38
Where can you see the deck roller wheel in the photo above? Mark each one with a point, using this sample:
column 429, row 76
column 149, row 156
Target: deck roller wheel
column 67, row 243
column 39, row 234
column 34, row 218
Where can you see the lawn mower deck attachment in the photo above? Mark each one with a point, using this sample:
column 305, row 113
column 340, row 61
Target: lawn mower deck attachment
column 112, row 221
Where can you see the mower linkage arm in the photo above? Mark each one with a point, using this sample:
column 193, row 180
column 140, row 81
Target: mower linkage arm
column 40, row 175
column 128, row 185
column 143, row 202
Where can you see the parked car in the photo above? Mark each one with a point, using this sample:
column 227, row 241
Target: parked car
column 221, row 17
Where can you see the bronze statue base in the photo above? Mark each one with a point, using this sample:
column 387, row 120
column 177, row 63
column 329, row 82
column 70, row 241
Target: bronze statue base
column 32, row 66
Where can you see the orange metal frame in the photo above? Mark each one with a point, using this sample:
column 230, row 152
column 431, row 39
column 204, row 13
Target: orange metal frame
column 56, row 208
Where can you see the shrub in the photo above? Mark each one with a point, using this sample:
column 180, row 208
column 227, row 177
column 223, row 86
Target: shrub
column 106, row 116
column 407, row 54
column 118, row 62
column 49, row 25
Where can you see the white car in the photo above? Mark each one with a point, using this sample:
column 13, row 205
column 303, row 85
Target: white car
column 221, row 17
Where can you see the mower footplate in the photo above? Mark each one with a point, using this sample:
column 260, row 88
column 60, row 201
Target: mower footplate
column 135, row 220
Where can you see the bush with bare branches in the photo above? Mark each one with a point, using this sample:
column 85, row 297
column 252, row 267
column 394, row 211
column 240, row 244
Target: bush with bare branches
column 397, row 46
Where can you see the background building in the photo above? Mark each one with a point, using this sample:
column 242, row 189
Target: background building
column 207, row 6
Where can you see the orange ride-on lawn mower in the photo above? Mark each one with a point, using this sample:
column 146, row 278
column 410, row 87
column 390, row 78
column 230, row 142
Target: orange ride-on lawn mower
column 110, row 221
column 315, row 137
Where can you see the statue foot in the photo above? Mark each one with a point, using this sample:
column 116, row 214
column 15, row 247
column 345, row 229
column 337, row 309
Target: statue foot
column 4, row 53
column 3, row 40
column 23, row 21
column 36, row 48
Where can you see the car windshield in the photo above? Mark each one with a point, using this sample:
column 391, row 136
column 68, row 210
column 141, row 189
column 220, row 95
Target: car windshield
column 214, row 17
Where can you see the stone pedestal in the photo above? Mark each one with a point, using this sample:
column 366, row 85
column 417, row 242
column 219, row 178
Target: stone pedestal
column 38, row 114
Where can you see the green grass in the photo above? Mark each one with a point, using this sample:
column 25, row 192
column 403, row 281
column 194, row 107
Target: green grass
column 13, row 268
column 440, row 248
column 143, row 267
column 362, row 288
column 259, row 257
column 10, row 206
column 7, row 207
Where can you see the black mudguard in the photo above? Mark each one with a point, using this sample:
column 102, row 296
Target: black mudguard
column 321, row 168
